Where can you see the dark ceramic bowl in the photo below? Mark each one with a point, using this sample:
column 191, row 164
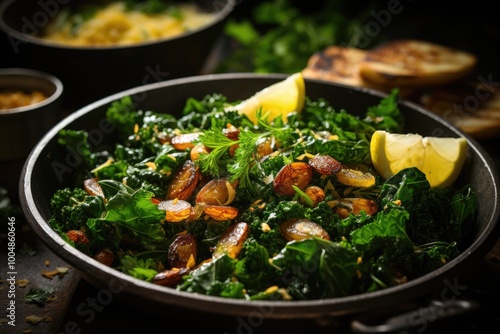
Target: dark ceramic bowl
column 90, row 73
column 49, row 168
column 22, row 127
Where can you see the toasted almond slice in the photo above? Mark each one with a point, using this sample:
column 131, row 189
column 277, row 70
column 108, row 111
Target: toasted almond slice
column 232, row 240
column 415, row 63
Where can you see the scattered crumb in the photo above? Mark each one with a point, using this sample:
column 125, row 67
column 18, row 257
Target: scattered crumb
column 22, row 282
column 34, row 319
column 47, row 263
column 59, row 271
column 62, row 270
column 49, row 274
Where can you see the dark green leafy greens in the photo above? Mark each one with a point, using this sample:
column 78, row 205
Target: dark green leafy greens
column 415, row 230
column 279, row 36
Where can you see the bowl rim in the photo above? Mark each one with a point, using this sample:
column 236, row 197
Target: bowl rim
column 281, row 309
column 221, row 14
column 30, row 73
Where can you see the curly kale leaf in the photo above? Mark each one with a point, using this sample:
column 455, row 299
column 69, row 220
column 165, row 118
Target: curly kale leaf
column 388, row 261
column 433, row 256
column 143, row 269
column 113, row 171
column 130, row 155
column 150, row 134
column 272, row 240
column 209, row 113
column 338, row 229
column 317, row 268
column 254, row 270
column 209, row 104
column 151, row 174
column 124, row 116
column 352, row 133
column 215, row 279
column 352, row 144
column 76, row 142
column 391, row 260
column 321, row 116
column 386, row 115
column 131, row 210
column 435, row 214
column 345, row 151
column 72, row 208
column 409, row 187
column 147, row 179
column 391, row 224
column 138, row 126
column 464, row 206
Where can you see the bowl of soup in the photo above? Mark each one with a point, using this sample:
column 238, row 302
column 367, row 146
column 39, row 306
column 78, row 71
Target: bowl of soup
column 100, row 47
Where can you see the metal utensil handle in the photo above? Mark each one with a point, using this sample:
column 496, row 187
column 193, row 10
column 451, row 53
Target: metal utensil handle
column 419, row 320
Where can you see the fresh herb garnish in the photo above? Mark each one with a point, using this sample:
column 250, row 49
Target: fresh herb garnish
column 39, row 296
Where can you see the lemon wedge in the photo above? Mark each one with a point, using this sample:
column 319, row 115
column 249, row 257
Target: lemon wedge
column 280, row 98
column 440, row 159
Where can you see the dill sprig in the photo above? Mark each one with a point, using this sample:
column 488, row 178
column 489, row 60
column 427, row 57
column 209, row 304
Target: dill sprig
column 244, row 157
column 219, row 145
column 240, row 166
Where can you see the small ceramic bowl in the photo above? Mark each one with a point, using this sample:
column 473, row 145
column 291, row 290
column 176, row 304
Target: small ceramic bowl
column 26, row 122
column 23, row 125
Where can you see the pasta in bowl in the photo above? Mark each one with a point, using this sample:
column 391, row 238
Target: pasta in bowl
column 125, row 23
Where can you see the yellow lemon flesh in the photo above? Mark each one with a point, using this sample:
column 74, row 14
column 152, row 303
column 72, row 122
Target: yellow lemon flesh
column 278, row 99
column 440, row 159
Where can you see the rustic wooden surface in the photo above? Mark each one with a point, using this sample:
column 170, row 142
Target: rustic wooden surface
column 29, row 269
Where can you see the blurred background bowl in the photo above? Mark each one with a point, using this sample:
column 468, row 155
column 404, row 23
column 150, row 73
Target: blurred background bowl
column 23, row 126
column 89, row 73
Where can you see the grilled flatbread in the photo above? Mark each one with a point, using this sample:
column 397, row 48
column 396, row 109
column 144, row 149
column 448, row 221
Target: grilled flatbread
column 471, row 106
column 336, row 63
column 415, row 63
column 427, row 73
column 341, row 65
